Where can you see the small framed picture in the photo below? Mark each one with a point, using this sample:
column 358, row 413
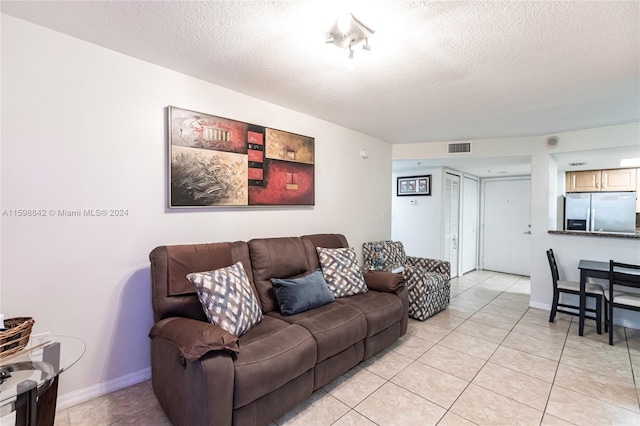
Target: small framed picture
column 414, row 185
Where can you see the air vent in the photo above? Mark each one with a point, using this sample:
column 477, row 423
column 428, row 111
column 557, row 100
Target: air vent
column 455, row 148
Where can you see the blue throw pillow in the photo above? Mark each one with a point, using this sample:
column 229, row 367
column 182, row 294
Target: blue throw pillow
column 301, row 294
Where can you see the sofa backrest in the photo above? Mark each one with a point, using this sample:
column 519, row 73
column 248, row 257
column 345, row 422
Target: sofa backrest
column 311, row 242
column 383, row 255
column 276, row 258
column 173, row 294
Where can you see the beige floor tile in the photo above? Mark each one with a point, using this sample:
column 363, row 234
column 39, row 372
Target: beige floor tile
column 411, row 346
column 423, row 330
column 591, row 333
column 531, row 365
column 153, row 416
column 61, row 418
column 494, row 320
column 393, row 405
column 485, row 407
column 614, row 364
column 533, row 346
column 510, row 304
column 445, row 320
column 515, row 296
column 483, row 331
column 512, row 384
column 466, row 302
column 580, row 409
column 470, row 345
column 353, row 418
column 452, row 419
column 461, row 311
column 431, row 384
column 354, row 386
column 544, row 333
column 319, row 409
column 543, row 321
column 608, row 389
column 633, row 338
column 502, row 311
column 114, row 406
column 549, row 420
column 386, row 364
column 453, row 362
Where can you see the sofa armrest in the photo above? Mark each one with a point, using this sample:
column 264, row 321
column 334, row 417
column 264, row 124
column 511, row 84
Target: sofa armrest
column 384, row 281
column 432, row 265
column 194, row 338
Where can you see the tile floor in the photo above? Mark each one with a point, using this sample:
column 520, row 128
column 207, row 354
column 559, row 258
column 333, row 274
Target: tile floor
column 488, row 359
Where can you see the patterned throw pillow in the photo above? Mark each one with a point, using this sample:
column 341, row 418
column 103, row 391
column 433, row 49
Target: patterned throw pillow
column 341, row 271
column 227, row 298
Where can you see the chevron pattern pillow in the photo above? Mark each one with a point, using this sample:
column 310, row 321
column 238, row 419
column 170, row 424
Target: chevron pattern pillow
column 227, row 298
column 341, row 271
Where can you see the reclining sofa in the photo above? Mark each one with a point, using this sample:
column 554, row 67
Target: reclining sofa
column 204, row 375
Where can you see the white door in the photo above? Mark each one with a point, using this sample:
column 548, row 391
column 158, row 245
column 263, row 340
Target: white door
column 507, row 226
column 451, row 220
column 470, row 213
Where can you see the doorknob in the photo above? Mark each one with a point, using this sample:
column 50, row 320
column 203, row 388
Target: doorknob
column 528, row 232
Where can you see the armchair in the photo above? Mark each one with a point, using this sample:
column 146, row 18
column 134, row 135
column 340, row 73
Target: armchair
column 427, row 280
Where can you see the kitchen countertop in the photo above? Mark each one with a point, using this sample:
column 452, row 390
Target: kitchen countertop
column 597, row 234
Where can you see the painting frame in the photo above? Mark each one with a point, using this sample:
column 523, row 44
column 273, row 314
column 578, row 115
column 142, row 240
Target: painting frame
column 411, row 186
column 215, row 161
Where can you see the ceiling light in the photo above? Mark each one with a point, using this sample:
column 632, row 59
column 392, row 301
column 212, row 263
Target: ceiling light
column 349, row 33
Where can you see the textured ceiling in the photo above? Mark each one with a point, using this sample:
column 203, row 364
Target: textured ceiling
column 438, row 70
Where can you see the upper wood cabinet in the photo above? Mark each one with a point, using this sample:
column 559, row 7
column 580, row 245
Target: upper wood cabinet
column 602, row 180
column 619, row 180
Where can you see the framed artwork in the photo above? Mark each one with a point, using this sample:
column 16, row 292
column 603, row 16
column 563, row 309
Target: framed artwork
column 414, row 185
column 216, row 161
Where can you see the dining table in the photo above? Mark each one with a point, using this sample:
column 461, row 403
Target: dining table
column 593, row 269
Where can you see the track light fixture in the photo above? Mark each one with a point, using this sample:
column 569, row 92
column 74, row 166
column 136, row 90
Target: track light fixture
column 349, row 33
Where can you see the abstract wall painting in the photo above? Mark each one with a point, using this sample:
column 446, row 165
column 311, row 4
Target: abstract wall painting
column 217, row 162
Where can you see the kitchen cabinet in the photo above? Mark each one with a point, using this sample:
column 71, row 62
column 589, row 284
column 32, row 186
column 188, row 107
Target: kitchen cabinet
column 602, row 180
column 619, row 180
column 584, row 181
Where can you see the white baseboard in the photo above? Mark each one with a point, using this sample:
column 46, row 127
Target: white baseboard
column 82, row 395
column 538, row 305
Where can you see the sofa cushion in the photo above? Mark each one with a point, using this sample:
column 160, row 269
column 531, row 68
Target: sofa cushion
column 272, row 353
column 227, row 298
column 301, row 294
column 341, row 271
column 335, row 327
column 381, row 310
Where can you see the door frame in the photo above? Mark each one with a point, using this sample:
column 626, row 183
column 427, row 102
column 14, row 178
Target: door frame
column 477, row 219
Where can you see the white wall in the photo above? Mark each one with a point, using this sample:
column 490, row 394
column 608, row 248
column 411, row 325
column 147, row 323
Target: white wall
column 413, row 224
column 83, row 127
column 544, row 189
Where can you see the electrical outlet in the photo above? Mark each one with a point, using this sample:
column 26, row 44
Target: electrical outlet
column 38, row 339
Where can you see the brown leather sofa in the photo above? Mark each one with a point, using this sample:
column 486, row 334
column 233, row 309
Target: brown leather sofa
column 203, row 375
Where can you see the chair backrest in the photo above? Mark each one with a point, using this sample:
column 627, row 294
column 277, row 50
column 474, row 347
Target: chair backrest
column 383, row 255
column 623, row 274
column 554, row 267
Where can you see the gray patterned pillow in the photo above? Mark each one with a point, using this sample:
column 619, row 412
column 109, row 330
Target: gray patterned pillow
column 227, row 298
column 341, row 271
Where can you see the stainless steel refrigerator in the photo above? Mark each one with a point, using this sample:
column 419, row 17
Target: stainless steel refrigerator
column 600, row 212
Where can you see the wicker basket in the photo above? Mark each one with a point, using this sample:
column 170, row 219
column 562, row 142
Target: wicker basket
column 16, row 337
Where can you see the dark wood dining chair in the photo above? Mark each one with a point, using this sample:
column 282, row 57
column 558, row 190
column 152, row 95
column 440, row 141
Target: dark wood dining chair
column 573, row 287
column 621, row 275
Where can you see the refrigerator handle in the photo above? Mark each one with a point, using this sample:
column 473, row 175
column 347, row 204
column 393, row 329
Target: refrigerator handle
column 593, row 220
column 588, row 225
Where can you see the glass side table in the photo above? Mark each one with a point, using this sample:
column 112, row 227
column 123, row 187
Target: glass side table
column 29, row 380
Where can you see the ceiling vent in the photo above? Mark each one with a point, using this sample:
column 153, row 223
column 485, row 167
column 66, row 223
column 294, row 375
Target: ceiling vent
column 456, row 148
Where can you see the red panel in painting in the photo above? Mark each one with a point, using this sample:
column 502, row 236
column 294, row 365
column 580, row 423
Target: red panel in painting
column 255, row 156
column 279, row 186
column 257, row 138
column 254, row 174
column 220, row 134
